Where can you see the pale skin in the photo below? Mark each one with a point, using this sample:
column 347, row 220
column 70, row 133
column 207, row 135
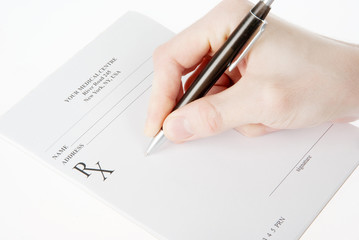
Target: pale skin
column 291, row 79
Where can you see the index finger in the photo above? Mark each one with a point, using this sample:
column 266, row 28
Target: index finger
column 184, row 52
column 171, row 61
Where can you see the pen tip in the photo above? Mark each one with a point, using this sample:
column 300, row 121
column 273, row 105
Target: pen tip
column 156, row 141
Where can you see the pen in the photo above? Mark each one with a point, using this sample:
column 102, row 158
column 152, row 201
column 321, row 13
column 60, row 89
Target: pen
column 228, row 56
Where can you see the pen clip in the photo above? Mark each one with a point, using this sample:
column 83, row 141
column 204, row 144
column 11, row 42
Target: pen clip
column 249, row 46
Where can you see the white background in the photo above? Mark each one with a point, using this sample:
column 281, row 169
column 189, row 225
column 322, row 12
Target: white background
column 37, row 36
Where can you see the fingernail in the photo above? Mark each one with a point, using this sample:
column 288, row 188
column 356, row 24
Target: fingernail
column 179, row 129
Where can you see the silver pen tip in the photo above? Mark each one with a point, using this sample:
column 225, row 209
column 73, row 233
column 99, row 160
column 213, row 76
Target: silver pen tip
column 156, row 141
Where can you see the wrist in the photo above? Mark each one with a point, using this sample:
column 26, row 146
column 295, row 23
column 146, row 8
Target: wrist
column 350, row 69
column 355, row 77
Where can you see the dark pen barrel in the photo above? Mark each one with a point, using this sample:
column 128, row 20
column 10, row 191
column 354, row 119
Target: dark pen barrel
column 225, row 55
column 236, row 42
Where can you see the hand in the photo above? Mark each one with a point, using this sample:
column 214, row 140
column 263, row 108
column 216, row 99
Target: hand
column 290, row 79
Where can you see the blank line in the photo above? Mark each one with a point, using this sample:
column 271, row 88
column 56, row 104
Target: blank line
column 118, row 102
column 119, row 115
column 59, row 138
column 301, row 159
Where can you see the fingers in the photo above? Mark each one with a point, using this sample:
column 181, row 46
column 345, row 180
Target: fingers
column 171, row 61
column 211, row 115
column 207, row 117
column 183, row 53
column 255, row 130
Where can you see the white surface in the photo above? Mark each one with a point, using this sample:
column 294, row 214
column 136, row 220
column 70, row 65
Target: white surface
column 38, row 36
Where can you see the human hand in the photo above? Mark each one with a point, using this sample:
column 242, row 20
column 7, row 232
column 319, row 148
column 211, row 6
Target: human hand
column 290, row 79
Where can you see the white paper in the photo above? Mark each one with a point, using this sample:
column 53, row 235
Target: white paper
column 86, row 121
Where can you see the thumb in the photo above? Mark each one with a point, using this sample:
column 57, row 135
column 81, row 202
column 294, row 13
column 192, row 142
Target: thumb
column 210, row 115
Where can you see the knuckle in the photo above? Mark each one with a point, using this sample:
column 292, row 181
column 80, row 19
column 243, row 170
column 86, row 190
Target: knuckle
column 211, row 118
column 277, row 101
column 280, row 107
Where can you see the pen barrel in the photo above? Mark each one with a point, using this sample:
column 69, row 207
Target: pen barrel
column 225, row 55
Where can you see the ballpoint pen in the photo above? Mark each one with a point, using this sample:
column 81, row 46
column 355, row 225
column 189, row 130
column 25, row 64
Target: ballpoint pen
column 228, row 56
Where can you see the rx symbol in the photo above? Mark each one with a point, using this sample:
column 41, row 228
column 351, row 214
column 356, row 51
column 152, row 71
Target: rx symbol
column 85, row 170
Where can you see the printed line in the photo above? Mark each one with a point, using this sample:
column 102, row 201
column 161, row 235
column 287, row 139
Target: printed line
column 119, row 114
column 301, row 159
column 68, row 130
column 118, row 102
